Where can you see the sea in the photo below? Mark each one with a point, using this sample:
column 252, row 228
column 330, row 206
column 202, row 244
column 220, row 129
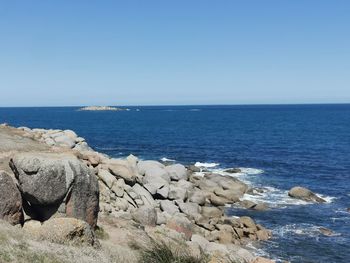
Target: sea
column 276, row 147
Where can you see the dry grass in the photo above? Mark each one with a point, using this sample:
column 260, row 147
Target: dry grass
column 160, row 252
column 17, row 247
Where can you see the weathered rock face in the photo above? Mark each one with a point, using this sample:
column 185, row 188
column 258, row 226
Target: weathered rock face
column 44, row 179
column 177, row 172
column 146, row 216
column 10, row 201
column 305, row 194
column 48, row 180
column 83, row 200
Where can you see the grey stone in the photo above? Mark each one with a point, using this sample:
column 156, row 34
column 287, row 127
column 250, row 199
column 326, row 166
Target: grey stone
column 304, row 194
column 145, row 215
column 177, row 172
column 169, row 207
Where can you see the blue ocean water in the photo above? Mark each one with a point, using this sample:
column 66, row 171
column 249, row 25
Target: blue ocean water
column 306, row 145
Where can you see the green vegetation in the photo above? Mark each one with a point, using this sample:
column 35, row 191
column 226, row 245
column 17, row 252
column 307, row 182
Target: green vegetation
column 101, row 233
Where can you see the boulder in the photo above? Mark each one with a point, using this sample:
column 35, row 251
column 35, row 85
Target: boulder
column 177, row 172
column 145, row 215
column 163, row 192
column 197, row 196
column 48, row 180
column 122, row 169
column 185, row 185
column 150, row 167
column 305, row 194
column 71, row 134
column 169, row 207
column 326, row 231
column 211, row 212
column 162, row 217
column 64, row 140
column 10, row 201
column 201, row 241
column 190, row 209
column 177, row 193
column 44, row 178
column 227, row 183
column 218, row 200
column 228, row 194
column 248, row 222
column 68, row 231
column 247, row 204
column 181, row 224
column 145, row 196
column 82, row 201
column 263, row 234
column 194, row 168
column 107, row 178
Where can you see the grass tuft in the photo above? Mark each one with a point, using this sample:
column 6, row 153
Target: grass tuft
column 160, row 252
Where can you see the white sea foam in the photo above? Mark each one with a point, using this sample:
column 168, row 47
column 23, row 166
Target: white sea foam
column 272, row 196
column 251, row 171
column 164, row 159
column 302, row 229
column 206, row 165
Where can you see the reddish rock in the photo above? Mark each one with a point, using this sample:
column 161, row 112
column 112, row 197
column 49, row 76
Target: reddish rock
column 10, row 200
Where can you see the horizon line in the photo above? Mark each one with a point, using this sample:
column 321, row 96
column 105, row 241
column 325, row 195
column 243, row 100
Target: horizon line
column 178, row 105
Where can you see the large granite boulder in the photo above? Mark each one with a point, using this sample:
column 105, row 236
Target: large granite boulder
column 10, row 201
column 181, row 224
column 145, row 215
column 155, row 176
column 123, row 169
column 305, row 194
column 57, row 182
column 83, row 200
column 44, row 179
column 177, row 172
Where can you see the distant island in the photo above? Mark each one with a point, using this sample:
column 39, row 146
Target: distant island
column 101, row 108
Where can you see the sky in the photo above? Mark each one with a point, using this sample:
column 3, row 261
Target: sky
column 84, row 52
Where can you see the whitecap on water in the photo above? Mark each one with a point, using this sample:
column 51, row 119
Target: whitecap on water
column 206, row 165
column 164, row 159
column 309, row 230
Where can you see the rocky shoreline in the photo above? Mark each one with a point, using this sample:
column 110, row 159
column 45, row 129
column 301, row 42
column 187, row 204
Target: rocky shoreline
column 60, row 189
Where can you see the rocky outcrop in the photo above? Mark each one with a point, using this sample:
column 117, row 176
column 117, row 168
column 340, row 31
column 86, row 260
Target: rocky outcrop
column 71, row 180
column 10, row 201
column 305, row 194
column 55, row 182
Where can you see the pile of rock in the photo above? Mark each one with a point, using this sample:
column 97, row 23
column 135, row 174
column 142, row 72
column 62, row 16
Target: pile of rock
column 59, row 138
column 172, row 196
column 74, row 181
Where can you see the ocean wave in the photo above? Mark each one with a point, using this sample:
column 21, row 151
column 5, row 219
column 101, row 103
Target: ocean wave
column 164, row 159
column 206, row 165
column 309, row 230
column 194, row 110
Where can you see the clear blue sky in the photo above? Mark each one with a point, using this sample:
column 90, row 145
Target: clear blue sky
column 174, row 52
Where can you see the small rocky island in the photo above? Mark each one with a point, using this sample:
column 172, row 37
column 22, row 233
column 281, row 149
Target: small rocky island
column 101, row 108
column 58, row 194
